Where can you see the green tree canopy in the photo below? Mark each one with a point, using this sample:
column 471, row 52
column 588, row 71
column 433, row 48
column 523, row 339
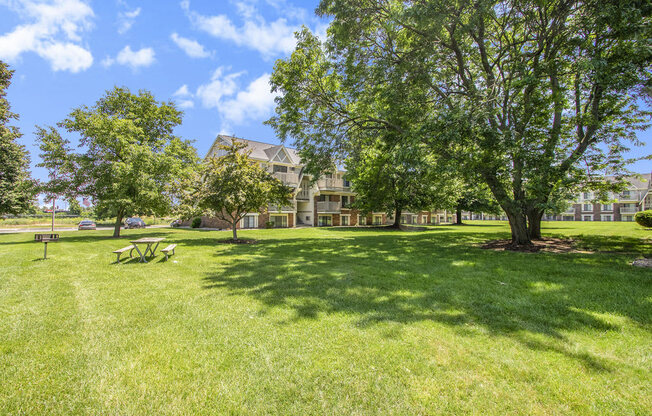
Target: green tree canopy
column 536, row 98
column 232, row 185
column 17, row 188
column 131, row 161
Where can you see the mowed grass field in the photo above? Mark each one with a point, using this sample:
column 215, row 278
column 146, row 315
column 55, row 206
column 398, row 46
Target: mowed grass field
column 328, row 321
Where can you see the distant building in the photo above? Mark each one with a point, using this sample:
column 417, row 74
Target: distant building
column 638, row 197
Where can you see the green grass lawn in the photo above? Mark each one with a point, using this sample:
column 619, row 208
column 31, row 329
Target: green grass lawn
column 328, row 321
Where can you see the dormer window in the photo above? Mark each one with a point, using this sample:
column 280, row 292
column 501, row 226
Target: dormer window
column 280, row 168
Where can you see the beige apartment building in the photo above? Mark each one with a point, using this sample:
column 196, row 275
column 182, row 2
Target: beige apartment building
column 327, row 202
column 623, row 206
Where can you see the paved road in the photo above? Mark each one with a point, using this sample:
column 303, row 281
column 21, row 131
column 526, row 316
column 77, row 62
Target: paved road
column 59, row 229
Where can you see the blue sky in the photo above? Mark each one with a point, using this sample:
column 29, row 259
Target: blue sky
column 212, row 57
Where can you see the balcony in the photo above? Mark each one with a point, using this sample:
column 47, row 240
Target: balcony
column 284, row 208
column 304, row 195
column 333, row 184
column 631, row 196
column 291, row 179
column 328, row 206
column 628, row 210
column 570, row 210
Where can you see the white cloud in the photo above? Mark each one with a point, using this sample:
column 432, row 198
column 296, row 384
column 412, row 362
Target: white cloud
column 191, row 47
column 127, row 19
column 220, row 86
column 253, row 103
column 269, row 38
column 134, row 59
column 53, row 32
column 185, row 97
column 234, row 104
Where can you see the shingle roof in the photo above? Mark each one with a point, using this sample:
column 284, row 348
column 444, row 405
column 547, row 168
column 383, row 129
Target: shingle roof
column 259, row 150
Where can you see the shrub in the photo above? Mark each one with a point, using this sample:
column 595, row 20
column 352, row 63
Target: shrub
column 269, row 224
column 644, row 218
column 196, row 222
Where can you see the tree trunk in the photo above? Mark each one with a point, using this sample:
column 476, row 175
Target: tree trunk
column 235, row 230
column 534, row 223
column 458, row 221
column 53, row 210
column 397, row 217
column 116, row 228
column 118, row 223
column 518, row 226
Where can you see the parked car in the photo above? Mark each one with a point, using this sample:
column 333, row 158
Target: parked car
column 175, row 223
column 134, row 222
column 86, row 225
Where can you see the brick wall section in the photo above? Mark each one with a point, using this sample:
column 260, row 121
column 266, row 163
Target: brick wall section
column 316, row 214
column 290, row 220
column 336, row 219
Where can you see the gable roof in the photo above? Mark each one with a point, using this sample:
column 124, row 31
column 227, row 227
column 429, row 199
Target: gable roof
column 259, row 150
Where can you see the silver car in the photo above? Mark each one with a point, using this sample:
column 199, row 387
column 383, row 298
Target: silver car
column 86, row 225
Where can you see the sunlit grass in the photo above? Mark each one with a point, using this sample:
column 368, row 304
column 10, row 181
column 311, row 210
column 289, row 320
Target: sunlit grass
column 328, row 321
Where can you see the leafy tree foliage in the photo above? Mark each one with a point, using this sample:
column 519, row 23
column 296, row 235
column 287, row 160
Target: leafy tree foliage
column 230, row 186
column 396, row 179
column 475, row 197
column 534, row 97
column 74, row 207
column 17, row 189
column 131, row 160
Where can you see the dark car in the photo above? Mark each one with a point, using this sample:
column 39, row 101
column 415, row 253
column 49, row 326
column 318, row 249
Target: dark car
column 86, row 225
column 134, row 222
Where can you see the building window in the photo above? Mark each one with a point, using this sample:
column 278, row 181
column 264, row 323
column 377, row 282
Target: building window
column 424, row 219
column 586, row 195
column 345, row 201
column 587, row 218
column 378, row 219
column 250, row 221
column 346, row 183
column 607, row 207
column 606, row 218
column 345, row 219
column 628, row 218
column 279, row 221
column 280, row 168
column 324, row 220
column 626, row 194
column 362, row 220
column 587, row 207
column 403, row 219
column 324, row 198
column 328, row 176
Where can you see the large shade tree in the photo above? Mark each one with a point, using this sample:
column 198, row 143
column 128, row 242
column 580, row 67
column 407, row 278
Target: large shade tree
column 17, row 188
column 130, row 160
column 231, row 185
column 532, row 95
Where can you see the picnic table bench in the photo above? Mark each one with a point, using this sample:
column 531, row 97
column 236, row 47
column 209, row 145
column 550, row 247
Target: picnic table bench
column 167, row 250
column 122, row 250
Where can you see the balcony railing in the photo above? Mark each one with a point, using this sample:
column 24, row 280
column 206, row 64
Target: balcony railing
column 632, row 196
column 328, row 206
column 304, row 194
column 333, row 183
column 284, row 208
column 287, row 178
column 628, row 210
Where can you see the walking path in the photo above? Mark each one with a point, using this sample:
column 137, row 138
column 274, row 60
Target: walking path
column 64, row 228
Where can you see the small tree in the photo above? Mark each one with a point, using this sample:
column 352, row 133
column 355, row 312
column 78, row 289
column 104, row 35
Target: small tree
column 17, row 189
column 74, row 207
column 475, row 197
column 132, row 159
column 230, row 186
column 55, row 157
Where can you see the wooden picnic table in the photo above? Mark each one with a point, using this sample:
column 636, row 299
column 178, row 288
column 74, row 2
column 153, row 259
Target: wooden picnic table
column 150, row 241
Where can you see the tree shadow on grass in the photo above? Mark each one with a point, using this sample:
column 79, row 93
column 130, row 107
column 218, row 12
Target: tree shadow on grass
column 413, row 277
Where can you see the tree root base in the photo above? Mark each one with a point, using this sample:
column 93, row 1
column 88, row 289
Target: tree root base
column 547, row 245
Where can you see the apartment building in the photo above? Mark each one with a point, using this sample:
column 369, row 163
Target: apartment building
column 327, row 202
column 638, row 197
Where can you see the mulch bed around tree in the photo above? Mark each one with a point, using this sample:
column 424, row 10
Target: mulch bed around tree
column 547, row 245
column 642, row 263
column 238, row 241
